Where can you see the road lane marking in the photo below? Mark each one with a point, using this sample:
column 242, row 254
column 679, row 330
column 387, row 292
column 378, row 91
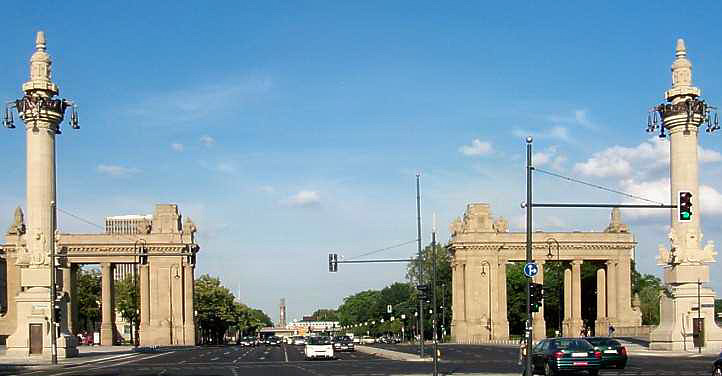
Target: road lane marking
column 214, row 359
column 75, row 369
column 285, row 353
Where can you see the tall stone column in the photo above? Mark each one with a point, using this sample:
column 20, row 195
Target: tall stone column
column 538, row 323
column 70, row 290
column 626, row 315
column 42, row 114
column 502, row 330
column 144, row 302
column 488, row 298
column 612, row 291
column 602, row 323
column 567, row 304
column 107, row 323
column 576, row 324
column 189, row 318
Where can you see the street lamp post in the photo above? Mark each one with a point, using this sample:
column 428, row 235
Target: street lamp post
column 488, row 282
column 551, row 241
column 136, row 323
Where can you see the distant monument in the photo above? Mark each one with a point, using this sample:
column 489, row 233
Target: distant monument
column 282, row 318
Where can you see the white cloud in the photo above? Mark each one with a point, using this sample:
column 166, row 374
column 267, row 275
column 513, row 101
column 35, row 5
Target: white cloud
column 549, row 157
column 207, row 140
column 176, row 147
column 625, row 162
column 117, row 171
column 304, row 199
column 477, row 148
column 226, row 167
column 195, row 104
column 577, row 117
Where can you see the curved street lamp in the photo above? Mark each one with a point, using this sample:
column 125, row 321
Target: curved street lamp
column 136, row 324
column 488, row 282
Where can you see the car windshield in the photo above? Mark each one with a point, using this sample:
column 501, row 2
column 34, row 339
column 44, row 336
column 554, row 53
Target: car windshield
column 574, row 345
column 319, row 341
column 598, row 341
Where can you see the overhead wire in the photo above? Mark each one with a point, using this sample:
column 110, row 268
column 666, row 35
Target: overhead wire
column 382, row 249
column 574, row 180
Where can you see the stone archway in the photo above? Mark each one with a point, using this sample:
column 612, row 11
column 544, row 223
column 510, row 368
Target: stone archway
column 164, row 252
column 479, row 243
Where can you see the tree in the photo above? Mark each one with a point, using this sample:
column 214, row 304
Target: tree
column 443, row 282
column 88, row 291
column 325, row 315
column 127, row 301
column 216, row 309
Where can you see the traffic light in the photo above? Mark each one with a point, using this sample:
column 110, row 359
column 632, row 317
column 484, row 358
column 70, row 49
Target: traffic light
column 424, row 292
column 332, row 262
column 57, row 313
column 685, row 206
column 536, row 296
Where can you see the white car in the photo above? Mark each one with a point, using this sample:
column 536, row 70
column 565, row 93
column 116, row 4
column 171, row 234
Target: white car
column 318, row 347
column 299, row 340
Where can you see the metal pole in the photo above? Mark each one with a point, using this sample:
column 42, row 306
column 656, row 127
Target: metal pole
column 528, row 329
column 53, row 292
column 699, row 313
column 433, row 287
column 421, row 264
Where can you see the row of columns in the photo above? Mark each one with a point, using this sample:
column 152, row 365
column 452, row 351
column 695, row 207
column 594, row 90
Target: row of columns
column 479, row 299
column 160, row 321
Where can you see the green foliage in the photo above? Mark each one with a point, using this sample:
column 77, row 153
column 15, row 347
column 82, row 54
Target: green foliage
column 88, row 293
column 217, row 311
column 516, row 297
column 127, row 299
column 717, row 309
column 325, row 315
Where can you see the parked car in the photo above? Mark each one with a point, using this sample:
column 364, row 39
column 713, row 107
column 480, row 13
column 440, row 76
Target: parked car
column 318, row 347
column 299, row 340
column 614, row 355
column 343, row 343
column 553, row 355
column 366, row 340
column 717, row 366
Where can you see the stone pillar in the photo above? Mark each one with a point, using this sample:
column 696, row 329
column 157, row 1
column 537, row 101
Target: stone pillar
column 576, row 324
column 189, row 318
column 626, row 315
column 144, row 302
column 502, row 331
column 567, row 303
column 612, row 291
column 69, row 288
column 602, row 323
column 107, row 324
column 538, row 323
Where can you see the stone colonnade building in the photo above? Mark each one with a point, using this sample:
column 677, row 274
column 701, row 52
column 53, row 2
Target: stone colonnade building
column 481, row 247
column 163, row 249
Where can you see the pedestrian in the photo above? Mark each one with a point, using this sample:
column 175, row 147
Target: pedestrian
column 611, row 330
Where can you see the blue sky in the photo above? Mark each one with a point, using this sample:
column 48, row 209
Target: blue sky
column 287, row 131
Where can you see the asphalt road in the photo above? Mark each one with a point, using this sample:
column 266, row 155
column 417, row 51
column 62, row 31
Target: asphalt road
column 288, row 360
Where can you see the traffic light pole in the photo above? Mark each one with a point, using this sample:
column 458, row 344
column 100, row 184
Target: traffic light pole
column 528, row 324
column 421, row 265
column 433, row 299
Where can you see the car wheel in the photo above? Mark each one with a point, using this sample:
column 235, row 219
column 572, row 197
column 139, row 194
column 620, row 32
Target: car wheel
column 717, row 372
column 548, row 371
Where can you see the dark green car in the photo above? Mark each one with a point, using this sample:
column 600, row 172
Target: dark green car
column 554, row 355
column 614, row 355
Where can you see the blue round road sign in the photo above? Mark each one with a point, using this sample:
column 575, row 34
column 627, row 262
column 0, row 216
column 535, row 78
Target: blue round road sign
column 530, row 269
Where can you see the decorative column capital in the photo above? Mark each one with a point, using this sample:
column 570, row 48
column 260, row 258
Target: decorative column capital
column 577, row 262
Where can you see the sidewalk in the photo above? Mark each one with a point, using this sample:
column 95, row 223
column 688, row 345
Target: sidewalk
column 390, row 354
column 87, row 354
